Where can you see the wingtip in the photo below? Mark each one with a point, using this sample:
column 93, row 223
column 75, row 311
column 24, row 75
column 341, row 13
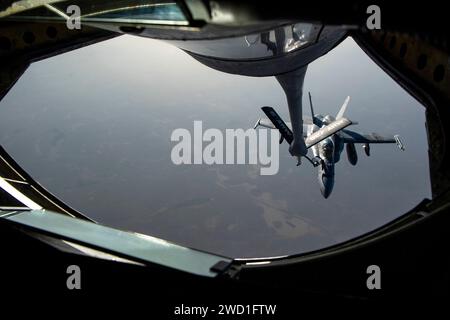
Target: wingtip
column 257, row 123
column 399, row 142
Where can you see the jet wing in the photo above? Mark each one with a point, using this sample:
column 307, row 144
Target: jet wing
column 355, row 137
column 264, row 122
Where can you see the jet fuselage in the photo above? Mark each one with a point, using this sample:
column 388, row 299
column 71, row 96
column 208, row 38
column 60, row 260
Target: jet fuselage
column 329, row 151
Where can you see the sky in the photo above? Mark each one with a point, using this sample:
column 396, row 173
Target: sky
column 93, row 126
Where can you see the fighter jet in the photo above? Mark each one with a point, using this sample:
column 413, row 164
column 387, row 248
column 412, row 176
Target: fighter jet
column 326, row 136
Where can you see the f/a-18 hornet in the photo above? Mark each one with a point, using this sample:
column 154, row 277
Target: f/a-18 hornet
column 326, row 136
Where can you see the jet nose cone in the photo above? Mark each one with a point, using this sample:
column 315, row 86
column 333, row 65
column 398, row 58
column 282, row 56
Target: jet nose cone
column 326, row 186
column 325, row 192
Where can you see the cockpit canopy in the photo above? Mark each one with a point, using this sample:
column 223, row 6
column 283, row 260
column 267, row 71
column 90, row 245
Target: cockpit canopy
column 326, row 148
column 328, row 119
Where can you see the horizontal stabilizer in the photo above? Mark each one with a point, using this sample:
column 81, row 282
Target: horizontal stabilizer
column 327, row 131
